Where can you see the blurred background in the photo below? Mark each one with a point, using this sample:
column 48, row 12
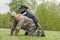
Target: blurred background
column 47, row 12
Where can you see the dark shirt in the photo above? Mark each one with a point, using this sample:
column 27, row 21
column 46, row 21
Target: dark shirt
column 27, row 14
column 30, row 16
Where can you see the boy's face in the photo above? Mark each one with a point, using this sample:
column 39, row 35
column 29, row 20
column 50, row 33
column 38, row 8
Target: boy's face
column 23, row 9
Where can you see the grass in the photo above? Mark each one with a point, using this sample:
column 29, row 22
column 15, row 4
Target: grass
column 50, row 35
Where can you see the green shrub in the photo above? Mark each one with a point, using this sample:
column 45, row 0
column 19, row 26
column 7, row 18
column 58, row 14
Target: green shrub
column 5, row 21
column 48, row 16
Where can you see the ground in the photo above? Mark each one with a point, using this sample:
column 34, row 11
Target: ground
column 50, row 35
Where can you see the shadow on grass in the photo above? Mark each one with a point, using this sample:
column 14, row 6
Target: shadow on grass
column 30, row 36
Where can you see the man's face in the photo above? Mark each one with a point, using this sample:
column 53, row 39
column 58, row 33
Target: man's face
column 14, row 17
column 23, row 9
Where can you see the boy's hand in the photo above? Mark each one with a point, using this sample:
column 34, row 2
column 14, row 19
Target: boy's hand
column 24, row 14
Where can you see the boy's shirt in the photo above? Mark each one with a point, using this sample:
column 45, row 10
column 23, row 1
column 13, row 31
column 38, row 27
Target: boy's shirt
column 27, row 14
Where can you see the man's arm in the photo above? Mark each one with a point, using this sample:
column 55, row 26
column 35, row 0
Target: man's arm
column 20, row 23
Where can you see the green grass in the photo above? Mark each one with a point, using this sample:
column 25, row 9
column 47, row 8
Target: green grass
column 50, row 35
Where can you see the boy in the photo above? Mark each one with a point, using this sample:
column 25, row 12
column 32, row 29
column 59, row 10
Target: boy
column 26, row 13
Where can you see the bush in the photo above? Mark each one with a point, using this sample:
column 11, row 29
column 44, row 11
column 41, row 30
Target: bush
column 48, row 16
column 5, row 21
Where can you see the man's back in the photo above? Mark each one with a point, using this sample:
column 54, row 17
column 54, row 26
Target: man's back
column 25, row 19
column 24, row 22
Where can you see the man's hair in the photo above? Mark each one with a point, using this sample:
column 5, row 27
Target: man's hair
column 13, row 13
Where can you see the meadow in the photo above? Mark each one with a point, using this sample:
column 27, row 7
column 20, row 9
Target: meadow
column 50, row 35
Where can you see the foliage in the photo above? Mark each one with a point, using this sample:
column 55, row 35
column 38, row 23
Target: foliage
column 47, row 13
column 5, row 21
column 48, row 16
column 15, row 5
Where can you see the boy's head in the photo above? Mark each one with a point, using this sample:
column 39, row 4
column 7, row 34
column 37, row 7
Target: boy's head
column 23, row 7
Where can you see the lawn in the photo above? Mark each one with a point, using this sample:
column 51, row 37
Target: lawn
column 50, row 35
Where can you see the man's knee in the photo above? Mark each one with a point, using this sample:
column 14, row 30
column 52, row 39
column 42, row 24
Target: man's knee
column 32, row 31
column 26, row 33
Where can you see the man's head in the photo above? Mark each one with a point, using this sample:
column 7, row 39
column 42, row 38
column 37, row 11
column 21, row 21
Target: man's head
column 13, row 14
column 23, row 7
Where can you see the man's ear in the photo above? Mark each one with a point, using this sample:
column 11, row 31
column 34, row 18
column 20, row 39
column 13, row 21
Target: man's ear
column 14, row 18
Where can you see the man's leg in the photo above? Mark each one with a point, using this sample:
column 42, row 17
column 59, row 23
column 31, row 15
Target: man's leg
column 32, row 31
column 40, row 33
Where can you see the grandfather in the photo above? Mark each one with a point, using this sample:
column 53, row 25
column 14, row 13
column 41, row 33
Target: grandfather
column 22, row 22
column 25, row 23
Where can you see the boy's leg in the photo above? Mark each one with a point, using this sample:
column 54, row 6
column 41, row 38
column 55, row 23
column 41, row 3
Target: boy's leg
column 36, row 23
column 38, row 26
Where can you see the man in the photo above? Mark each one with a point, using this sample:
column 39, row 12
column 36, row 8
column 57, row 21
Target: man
column 23, row 22
column 13, row 14
column 24, row 12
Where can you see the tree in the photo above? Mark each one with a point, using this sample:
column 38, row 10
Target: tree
column 5, row 20
column 15, row 4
